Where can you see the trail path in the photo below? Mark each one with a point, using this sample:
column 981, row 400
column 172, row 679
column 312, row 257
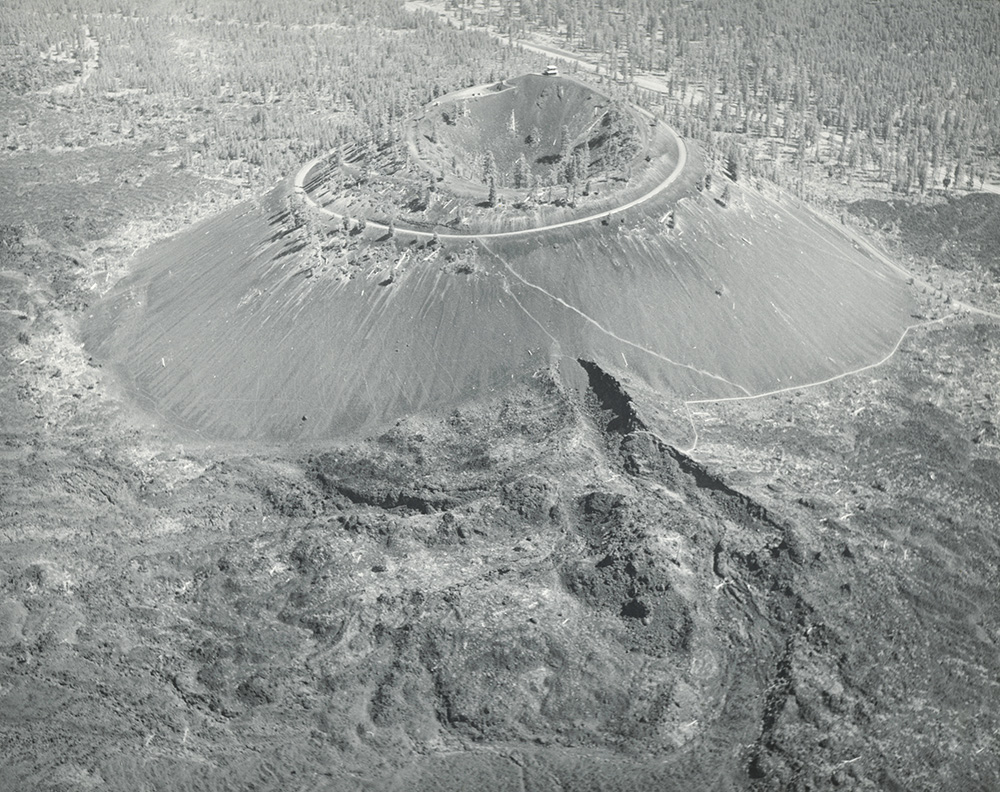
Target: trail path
column 960, row 308
column 303, row 173
column 646, row 81
column 610, row 333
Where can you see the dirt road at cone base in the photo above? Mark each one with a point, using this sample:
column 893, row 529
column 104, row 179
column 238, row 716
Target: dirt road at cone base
column 648, row 82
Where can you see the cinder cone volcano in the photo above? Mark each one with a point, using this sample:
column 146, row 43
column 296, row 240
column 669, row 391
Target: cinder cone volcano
column 244, row 327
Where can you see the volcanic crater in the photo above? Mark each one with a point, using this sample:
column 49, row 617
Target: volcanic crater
column 534, row 129
column 513, row 227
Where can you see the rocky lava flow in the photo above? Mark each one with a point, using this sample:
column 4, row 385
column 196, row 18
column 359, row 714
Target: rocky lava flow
column 534, row 592
column 531, row 591
column 529, row 583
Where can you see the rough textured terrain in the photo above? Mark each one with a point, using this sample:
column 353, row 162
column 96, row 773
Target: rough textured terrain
column 572, row 567
column 532, row 589
column 530, row 592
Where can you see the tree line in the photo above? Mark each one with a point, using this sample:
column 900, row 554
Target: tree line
column 248, row 89
column 905, row 90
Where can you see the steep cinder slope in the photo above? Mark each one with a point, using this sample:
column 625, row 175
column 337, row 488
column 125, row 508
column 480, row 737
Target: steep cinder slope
column 228, row 329
column 225, row 330
column 743, row 299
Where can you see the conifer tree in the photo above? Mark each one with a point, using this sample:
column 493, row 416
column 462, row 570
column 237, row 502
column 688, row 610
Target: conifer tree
column 490, row 168
column 521, row 171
